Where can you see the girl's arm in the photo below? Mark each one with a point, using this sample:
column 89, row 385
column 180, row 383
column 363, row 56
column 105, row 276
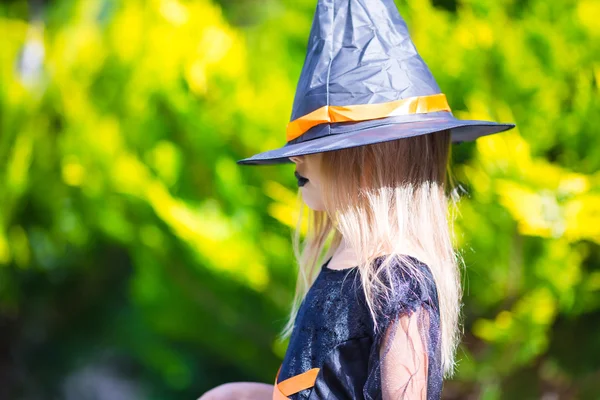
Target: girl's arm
column 240, row 391
column 404, row 366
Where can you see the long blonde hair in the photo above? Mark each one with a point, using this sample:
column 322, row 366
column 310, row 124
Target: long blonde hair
column 387, row 199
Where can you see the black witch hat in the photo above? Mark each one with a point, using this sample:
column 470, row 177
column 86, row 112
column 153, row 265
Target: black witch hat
column 363, row 82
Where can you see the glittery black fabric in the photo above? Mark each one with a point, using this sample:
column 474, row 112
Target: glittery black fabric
column 334, row 331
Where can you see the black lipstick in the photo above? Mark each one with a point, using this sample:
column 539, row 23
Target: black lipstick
column 301, row 180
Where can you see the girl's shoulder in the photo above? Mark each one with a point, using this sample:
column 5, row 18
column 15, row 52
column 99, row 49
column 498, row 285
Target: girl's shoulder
column 402, row 283
column 403, row 269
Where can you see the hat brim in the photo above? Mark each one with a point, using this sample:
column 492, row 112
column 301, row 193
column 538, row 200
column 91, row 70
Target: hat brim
column 355, row 135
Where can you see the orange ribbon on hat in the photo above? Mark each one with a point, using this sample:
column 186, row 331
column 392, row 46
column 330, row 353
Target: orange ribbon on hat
column 294, row 384
column 363, row 112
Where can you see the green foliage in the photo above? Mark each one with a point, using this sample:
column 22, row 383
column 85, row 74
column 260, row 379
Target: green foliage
column 131, row 242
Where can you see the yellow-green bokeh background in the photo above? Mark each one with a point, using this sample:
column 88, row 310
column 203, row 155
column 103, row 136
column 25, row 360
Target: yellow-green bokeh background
column 134, row 252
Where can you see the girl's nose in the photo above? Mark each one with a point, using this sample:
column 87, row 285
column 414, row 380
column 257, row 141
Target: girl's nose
column 296, row 159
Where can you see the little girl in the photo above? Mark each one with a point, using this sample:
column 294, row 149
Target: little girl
column 380, row 319
column 377, row 320
column 378, row 295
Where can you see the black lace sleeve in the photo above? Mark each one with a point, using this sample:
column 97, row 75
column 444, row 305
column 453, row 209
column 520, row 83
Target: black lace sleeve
column 404, row 361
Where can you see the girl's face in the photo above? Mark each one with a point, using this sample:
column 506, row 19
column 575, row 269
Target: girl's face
column 309, row 179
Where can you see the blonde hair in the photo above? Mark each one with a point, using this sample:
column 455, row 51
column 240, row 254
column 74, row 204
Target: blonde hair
column 386, row 199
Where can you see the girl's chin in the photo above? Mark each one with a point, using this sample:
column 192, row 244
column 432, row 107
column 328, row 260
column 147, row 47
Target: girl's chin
column 313, row 205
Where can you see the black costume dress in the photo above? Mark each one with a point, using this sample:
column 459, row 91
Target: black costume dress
column 334, row 331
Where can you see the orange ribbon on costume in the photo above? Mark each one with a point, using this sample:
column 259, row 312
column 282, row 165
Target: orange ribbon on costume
column 362, row 112
column 294, row 384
